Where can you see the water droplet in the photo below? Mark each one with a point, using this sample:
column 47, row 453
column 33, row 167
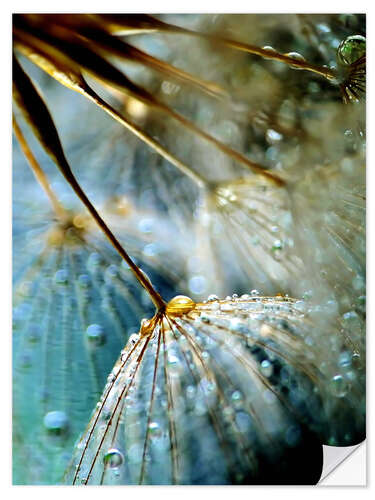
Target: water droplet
column 345, row 359
column 254, row 293
column 151, row 249
column 297, row 57
column 94, row 260
column 179, row 305
column 84, row 280
column 112, row 271
column 34, row 334
column 269, row 49
column 273, row 136
column 61, row 277
column 243, row 421
column 351, row 49
column 26, row 359
column 212, row 298
column 56, row 422
column 154, row 430
column 338, row 386
column 113, row 458
column 205, row 317
column 323, row 28
column 146, row 225
column 266, row 368
column 352, row 321
column 95, row 334
column 277, row 245
column 237, row 398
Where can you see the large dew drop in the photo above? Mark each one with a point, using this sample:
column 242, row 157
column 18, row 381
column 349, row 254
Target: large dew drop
column 351, row 49
column 113, row 458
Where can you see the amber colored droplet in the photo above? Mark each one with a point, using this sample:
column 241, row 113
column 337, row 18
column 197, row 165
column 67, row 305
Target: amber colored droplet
column 180, row 305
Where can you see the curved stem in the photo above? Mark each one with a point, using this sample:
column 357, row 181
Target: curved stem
column 143, row 136
column 327, row 73
column 38, row 173
column 43, row 61
column 141, row 277
column 232, row 153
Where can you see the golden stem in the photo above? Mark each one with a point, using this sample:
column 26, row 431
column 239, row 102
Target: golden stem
column 181, row 166
column 141, row 277
column 38, row 173
column 327, row 73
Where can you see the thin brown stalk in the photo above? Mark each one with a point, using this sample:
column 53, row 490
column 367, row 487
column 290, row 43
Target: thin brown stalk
column 38, row 173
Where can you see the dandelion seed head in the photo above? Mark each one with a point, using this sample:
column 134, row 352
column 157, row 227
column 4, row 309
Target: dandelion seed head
column 257, row 194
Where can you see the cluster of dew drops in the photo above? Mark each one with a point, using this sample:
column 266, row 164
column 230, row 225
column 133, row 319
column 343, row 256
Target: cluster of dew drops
column 349, row 51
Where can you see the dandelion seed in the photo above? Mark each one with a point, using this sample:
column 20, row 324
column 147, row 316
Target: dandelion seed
column 240, row 178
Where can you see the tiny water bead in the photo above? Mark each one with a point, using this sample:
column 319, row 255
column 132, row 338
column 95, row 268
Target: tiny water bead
column 154, row 430
column 151, row 250
column 94, row 260
column 56, row 422
column 345, row 359
column 111, row 271
column 237, row 399
column 113, row 458
column 173, row 360
column 61, row 277
column 352, row 321
column 271, row 51
column 297, row 57
column 272, row 137
column 35, row 334
column 266, row 368
column 338, row 386
column 26, row 359
column 351, row 49
column 212, row 298
column 146, row 225
column 277, row 245
column 84, row 280
column 95, row 334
